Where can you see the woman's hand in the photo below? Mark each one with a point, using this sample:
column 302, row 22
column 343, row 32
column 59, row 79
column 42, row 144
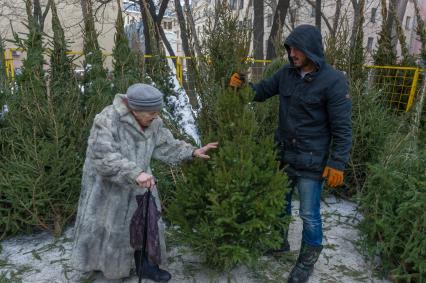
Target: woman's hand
column 145, row 180
column 201, row 152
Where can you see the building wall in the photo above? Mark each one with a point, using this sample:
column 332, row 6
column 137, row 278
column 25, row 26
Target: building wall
column 71, row 17
column 416, row 44
column 301, row 12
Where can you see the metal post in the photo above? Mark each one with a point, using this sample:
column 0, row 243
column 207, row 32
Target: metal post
column 413, row 90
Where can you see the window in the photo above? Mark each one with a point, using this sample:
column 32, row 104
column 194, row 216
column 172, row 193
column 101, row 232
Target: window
column 370, row 44
column 407, row 22
column 312, row 12
column 373, row 15
column 269, row 20
column 241, row 4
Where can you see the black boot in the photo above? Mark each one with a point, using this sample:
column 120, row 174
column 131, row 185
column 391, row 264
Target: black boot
column 305, row 263
column 150, row 270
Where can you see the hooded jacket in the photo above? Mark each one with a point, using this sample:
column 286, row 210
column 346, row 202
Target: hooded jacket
column 315, row 126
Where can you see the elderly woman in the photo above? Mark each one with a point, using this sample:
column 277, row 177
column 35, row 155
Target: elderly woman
column 123, row 139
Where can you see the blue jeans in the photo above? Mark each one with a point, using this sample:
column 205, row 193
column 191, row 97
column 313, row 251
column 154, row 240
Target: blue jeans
column 310, row 199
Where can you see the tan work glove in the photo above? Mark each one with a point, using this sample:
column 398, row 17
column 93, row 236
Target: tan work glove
column 237, row 80
column 334, row 177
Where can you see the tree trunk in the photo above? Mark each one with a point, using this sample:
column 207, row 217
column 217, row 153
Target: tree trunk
column 258, row 35
column 191, row 25
column 391, row 22
column 189, row 84
column 318, row 14
column 159, row 31
column 182, row 25
column 277, row 24
column 357, row 14
column 336, row 17
column 146, row 30
column 399, row 12
column 356, row 56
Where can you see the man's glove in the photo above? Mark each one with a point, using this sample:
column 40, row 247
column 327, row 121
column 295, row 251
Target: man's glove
column 237, row 80
column 334, row 176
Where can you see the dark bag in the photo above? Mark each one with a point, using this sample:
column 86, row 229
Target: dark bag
column 144, row 234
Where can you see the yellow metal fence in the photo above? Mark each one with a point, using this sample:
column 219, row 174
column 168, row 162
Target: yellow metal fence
column 397, row 84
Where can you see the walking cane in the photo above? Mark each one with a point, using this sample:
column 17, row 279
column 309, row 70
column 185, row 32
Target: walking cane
column 145, row 232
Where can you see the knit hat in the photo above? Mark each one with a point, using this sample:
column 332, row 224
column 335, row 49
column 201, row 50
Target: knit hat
column 143, row 97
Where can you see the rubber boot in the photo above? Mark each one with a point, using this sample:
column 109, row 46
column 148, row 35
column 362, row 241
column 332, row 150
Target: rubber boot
column 308, row 256
column 150, row 270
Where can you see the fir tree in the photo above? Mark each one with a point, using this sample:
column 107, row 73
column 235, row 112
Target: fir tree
column 61, row 65
column 127, row 66
column 225, row 49
column 97, row 88
column 385, row 53
column 227, row 208
column 40, row 160
column 32, row 81
column 4, row 82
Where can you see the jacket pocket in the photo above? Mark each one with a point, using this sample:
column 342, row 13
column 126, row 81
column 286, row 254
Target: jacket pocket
column 303, row 161
column 310, row 99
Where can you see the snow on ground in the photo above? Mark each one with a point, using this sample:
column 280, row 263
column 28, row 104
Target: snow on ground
column 40, row 258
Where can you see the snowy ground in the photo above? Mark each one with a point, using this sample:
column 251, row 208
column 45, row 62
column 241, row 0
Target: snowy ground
column 40, row 258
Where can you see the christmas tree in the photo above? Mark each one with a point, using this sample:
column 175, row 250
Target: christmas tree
column 97, row 88
column 127, row 64
column 227, row 208
column 41, row 154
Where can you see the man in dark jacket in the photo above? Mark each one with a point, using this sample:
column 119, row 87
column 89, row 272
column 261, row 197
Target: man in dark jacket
column 314, row 132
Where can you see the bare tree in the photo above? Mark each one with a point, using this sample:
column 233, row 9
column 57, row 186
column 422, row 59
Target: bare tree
column 277, row 25
column 318, row 13
column 258, row 29
column 398, row 12
column 356, row 55
column 40, row 15
column 358, row 8
column 337, row 16
column 183, row 30
column 271, row 4
column 321, row 15
column 193, row 32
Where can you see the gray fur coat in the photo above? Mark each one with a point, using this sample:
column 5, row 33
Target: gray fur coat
column 118, row 151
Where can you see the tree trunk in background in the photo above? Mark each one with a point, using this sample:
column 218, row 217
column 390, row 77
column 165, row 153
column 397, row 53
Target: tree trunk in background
column 337, row 16
column 183, row 31
column 189, row 82
column 400, row 8
column 159, row 31
column 357, row 14
column 318, row 14
column 277, row 25
column 258, row 33
column 191, row 25
column 146, row 30
column 356, row 55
